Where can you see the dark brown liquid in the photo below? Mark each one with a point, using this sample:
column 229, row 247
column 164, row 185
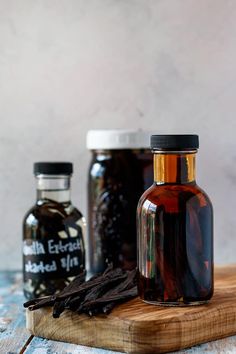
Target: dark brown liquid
column 117, row 179
column 58, row 222
column 175, row 223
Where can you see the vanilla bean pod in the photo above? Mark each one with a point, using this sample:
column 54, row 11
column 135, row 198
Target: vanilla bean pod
column 59, row 306
column 105, row 283
column 88, row 284
column 99, row 295
column 99, row 291
column 36, row 303
column 112, row 298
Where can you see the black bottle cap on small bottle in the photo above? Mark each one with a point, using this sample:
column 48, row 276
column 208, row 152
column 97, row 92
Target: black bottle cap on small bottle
column 175, row 142
column 53, row 168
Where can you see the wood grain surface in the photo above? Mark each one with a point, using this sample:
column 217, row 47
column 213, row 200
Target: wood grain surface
column 136, row 327
column 13, row 334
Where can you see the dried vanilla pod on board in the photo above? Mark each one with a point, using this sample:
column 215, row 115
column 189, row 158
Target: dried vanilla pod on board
column 99, row 295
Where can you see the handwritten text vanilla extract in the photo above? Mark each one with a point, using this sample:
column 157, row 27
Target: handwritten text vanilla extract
column 53, row 233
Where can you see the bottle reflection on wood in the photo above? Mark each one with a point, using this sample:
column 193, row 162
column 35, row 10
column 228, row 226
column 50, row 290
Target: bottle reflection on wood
column 175, row 230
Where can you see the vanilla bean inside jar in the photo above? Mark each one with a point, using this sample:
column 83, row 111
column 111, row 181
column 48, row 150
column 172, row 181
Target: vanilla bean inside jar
column 120, row 171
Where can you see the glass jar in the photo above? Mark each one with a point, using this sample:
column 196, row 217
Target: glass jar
column 53, row 232
column 175, row 228
column 120, row 170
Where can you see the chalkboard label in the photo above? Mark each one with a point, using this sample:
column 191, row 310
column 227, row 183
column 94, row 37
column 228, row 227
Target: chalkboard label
column 52, row 258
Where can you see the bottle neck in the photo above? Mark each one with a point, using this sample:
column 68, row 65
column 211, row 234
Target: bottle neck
column 174, row 167
column 56, row 188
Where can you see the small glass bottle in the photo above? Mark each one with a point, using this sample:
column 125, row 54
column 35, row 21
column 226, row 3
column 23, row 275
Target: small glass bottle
column 53, row 233
column 120, row 171
column 175, row 228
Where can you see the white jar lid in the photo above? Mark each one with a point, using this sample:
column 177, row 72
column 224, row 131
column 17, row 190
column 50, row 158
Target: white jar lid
column 118, row 139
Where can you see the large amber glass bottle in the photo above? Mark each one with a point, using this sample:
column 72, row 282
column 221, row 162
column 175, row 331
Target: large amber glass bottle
column 175, row 228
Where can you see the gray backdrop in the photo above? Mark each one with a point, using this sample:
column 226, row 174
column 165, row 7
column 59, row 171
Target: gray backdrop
column 69, row 66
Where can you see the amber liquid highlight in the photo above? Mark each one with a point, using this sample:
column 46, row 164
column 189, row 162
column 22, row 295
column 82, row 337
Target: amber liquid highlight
column 175, row 233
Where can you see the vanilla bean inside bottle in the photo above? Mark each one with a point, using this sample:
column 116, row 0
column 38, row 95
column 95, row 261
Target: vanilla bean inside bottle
column 53, row 233
column 175, row 228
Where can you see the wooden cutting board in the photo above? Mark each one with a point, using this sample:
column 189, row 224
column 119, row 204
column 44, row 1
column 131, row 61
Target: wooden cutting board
column 136, row 327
